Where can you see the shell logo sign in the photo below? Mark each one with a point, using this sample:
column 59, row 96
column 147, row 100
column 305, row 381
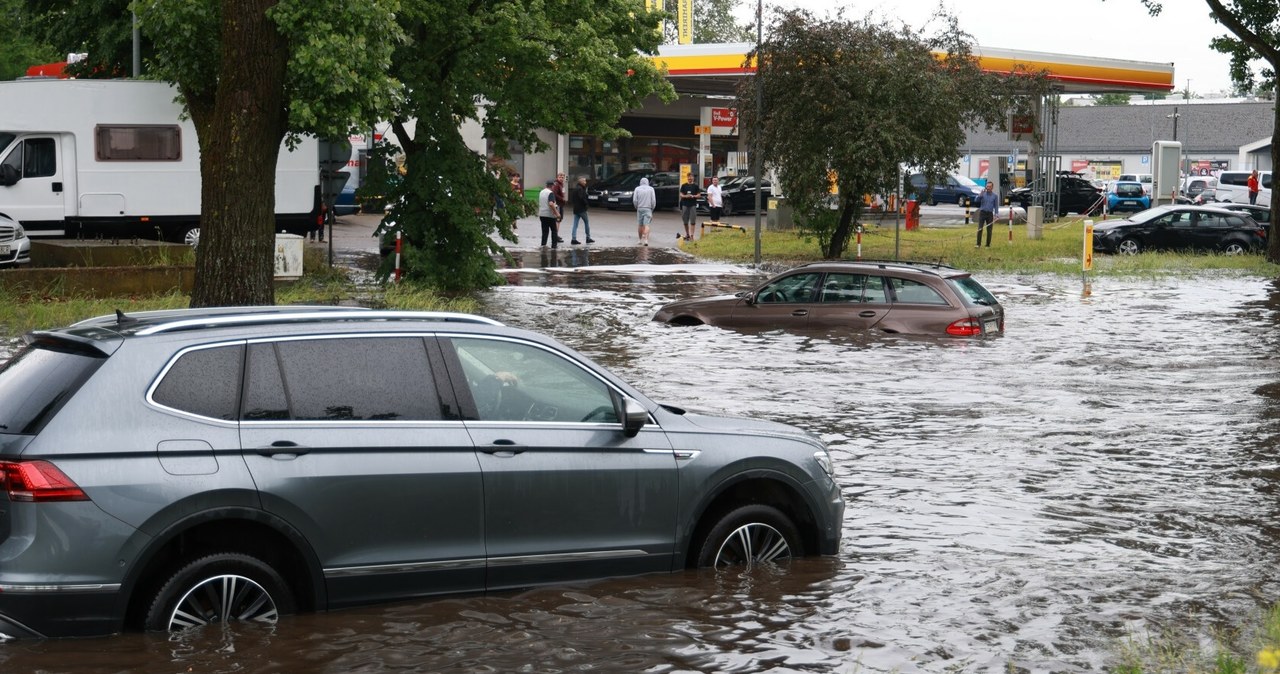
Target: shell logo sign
column 724, row 122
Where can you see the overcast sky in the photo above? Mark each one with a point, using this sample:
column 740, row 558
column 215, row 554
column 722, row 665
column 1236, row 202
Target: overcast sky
column 1119, row 29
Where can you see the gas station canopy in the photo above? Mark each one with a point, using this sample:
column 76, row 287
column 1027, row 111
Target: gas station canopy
column 714, row 69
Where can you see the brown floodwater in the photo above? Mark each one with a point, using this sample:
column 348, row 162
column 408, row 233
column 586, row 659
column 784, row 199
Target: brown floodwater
column 1106, row 469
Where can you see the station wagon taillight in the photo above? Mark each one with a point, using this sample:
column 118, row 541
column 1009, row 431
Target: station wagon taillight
column 39, row 482
column 965, row 327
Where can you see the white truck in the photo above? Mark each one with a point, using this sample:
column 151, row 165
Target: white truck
column 117, row 158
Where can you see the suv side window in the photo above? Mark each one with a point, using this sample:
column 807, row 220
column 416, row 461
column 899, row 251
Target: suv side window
column 203, row 381
column 853, row 288
column 515, row 381
column 361, row 378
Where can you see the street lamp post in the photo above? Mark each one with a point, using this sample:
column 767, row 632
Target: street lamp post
column 755, row 150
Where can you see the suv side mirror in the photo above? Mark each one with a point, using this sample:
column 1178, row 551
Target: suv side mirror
column 633, row 415
column 9, row 175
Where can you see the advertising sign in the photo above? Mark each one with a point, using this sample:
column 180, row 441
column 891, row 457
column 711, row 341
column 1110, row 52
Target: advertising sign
column 724, row 121
column 684, row 21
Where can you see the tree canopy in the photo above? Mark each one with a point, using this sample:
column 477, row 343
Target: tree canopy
column 23, row 45
column 852, row 102
column 512, row 67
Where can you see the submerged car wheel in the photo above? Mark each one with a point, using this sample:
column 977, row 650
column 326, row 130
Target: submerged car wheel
column 1129, row 247
column 220, row 588
column 750, row 535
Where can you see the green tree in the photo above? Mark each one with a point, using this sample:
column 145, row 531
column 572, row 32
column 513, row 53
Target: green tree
column 22, row 46
column 714, row 22
column 858, row 99
column 513, row 67
column 1112, row 99
column 1255, row 36
column 252, row 72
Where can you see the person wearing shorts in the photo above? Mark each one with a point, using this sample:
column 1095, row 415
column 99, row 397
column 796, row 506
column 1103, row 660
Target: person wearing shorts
column 715, row 200
column 645, row 200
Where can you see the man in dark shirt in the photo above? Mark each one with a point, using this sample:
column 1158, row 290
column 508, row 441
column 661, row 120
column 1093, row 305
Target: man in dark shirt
column 988, row 202
column 689, row 193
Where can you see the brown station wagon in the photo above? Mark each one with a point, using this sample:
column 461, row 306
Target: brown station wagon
column 893, row 297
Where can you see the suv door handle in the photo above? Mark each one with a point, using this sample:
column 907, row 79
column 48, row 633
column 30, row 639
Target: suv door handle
column 504, row 448
column 866, row 314
column 800, row 312
column 282, row 449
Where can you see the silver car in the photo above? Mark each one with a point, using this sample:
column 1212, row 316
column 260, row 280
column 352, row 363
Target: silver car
column 15, row 247
column 172, row 469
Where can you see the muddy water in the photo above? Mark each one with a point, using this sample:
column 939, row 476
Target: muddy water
column 1108, row 467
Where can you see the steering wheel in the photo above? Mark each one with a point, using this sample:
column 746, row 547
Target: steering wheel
column 488, row 396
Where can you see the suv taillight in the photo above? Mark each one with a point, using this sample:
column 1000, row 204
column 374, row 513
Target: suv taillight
column 965, row 327
column 38, row 481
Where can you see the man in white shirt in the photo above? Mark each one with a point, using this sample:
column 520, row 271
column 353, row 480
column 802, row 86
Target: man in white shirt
column 549, row 215
column 715, row 200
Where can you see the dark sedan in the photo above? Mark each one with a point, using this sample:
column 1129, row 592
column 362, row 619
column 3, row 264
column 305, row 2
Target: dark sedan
column 739, row 195
column 616, row 191
column 892, row 297
column 1181, row 227
column 1075, row 195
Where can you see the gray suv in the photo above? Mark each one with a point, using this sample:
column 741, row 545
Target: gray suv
column 172, row 469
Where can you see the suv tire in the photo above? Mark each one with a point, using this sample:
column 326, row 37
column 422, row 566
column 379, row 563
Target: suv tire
column 750, row 534
column 196, row 593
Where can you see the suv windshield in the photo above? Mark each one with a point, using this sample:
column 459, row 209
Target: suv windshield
column 36, row 382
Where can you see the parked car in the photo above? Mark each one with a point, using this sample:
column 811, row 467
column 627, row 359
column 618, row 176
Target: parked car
column 1180, row 227
column 1260, row 214
column 893, row 297
column 956, row 189
column 615, row 192
column 739, row 195
column 177, row 468
column 1143, row 178
column 1194, row 185
column 1075, row 195
column 1126, row 195
column 1208, row 195
column 15, row 247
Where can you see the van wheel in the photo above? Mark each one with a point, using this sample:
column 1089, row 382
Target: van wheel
column 220, row 588
column 188, row 234
column 749, row 535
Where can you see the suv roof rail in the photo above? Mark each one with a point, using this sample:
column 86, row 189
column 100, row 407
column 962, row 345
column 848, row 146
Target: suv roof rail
column 221, row 320
column 914, row 264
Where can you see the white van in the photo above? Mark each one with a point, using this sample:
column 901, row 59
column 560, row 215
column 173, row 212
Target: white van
column 1233, row 186
column 1144, row 178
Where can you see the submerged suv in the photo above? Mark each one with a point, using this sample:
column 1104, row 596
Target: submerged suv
column 177, row 468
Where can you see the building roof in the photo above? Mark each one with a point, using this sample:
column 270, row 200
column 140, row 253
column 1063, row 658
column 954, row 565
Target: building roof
column 1130, row 129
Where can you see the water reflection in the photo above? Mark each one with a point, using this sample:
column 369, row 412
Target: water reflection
column 1025, row 502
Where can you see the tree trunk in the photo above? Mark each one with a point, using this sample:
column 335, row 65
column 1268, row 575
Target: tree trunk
column 849, row 212
column 240, row 125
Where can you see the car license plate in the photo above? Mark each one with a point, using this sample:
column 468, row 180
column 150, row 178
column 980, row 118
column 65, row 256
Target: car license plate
column 593, row 197
column 4, row 249
column 613, row 200
column 991, row 327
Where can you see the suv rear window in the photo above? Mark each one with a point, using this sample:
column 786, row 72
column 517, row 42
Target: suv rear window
column 37, row 382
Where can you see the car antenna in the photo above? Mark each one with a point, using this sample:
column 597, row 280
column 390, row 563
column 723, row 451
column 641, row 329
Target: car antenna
column 122, row 319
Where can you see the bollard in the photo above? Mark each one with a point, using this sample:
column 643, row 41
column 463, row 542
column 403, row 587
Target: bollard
column 1010, row 204
column 397, row 255
column 859, row 242
column 966, row 212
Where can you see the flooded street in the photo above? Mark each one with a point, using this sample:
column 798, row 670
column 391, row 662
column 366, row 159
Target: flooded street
column 1106, row 468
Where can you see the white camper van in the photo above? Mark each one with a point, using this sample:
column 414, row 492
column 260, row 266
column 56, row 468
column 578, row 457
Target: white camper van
column 116, row 158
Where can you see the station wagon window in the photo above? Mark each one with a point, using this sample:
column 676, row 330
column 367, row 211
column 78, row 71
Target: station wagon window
column 204, row 382
column 853, row 288
column 138, row 143
column 514, row 381
column 366, row 378
column 37, row 381
column 908, row 291
column 793, row 288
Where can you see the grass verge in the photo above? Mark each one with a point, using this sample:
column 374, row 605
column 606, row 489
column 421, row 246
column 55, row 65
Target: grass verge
column 1058, row 251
